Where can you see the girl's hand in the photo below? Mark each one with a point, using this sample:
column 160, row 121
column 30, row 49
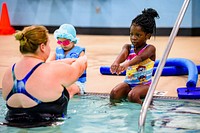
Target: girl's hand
column 114, row 68
column 122, row 67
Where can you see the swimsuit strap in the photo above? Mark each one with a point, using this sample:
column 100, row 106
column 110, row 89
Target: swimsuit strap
column 19, row 85
column 142, row 49
column 132, row 49
column 13, row 72
column 32, row 70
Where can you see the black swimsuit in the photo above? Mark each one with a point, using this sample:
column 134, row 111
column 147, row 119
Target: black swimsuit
column 43, row 114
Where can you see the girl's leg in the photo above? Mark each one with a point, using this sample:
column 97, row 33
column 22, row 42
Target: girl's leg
column 137, row 93
column 119, row 92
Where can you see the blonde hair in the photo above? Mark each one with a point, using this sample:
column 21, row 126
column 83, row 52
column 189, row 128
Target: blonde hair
column 31, row 37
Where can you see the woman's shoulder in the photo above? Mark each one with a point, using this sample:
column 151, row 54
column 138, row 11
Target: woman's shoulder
column 9, row 70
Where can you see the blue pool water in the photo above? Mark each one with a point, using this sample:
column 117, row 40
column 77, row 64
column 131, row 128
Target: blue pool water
column 94, row 114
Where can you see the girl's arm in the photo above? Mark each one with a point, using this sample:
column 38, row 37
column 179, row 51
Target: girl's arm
column 149, row 52
column 120, row 58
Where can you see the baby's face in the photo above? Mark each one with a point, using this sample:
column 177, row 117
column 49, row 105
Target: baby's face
column 65, row 43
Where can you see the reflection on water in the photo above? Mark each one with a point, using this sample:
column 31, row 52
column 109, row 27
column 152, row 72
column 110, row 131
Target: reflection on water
column 94, row 114
column 176, row 116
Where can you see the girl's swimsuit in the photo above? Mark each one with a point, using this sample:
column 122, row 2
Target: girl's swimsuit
column 140, row 73
column 43, row 114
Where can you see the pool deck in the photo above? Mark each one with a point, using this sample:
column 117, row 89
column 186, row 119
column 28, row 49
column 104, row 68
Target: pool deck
column 102, row 50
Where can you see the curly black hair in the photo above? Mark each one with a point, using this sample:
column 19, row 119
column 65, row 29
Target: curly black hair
column 146, row 20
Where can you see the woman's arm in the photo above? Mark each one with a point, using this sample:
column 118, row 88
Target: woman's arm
column 70, row 73
column 52, row 57
column 6, row 83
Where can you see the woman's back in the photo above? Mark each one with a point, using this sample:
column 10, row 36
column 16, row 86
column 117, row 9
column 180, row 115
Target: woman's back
column 45, row 83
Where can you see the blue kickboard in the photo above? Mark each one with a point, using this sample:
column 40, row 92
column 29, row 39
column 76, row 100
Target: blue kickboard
column 189, row 93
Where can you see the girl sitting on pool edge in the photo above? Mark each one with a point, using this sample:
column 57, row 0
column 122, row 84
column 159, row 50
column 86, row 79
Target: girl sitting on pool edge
column 137, row 59
column 66, row 39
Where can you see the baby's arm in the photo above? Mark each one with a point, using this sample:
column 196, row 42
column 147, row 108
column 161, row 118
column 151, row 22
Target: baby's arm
column 82, row 54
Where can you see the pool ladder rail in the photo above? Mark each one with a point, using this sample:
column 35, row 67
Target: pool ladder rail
column 158, row 72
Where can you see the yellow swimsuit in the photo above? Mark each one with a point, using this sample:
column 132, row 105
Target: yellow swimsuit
column 140, row 73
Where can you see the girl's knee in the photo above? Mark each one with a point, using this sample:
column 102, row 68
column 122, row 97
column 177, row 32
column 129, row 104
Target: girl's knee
column 113, row 94
column 131, row 96
column 135, row 98
column 114, row 98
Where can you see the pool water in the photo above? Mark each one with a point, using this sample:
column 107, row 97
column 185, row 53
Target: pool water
column 94, row 114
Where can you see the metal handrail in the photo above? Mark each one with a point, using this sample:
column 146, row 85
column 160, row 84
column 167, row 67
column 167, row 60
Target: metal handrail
column 160, row 67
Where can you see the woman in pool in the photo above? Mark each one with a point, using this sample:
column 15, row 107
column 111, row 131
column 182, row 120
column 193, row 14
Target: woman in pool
column 35, row 91
column 137, row 59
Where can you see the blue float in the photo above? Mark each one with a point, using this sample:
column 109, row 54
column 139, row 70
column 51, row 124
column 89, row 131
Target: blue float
column 167, row 71
column 175, row 67
column 191, row 69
